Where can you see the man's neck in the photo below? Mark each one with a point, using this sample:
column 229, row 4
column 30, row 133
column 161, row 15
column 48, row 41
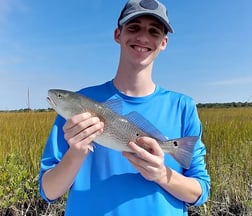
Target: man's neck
column 134, row 81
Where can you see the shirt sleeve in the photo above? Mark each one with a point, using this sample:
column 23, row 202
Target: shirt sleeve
column 199, row 172
column 197, row 169
column 55, row 148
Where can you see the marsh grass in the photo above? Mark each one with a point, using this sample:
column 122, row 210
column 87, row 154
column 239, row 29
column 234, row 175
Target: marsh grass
column 227, row 134
column 21, row 141
column 24, row 135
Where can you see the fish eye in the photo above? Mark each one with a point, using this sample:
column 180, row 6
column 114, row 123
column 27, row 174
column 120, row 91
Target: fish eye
column 59, row 96
column 137, row 134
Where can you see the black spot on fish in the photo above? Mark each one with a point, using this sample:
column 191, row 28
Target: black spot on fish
column 175, row 143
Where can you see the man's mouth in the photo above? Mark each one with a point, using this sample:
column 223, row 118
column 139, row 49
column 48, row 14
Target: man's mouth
column 140, row 49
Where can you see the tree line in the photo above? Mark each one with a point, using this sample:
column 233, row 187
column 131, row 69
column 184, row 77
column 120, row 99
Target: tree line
column 225, row 105
column 199, row 105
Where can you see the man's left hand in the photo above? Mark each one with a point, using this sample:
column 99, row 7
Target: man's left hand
column 147, row 157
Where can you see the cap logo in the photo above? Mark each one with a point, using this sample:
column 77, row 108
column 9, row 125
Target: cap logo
column 149, row 4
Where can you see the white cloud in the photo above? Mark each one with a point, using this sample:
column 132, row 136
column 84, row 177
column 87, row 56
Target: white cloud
column 232, row 81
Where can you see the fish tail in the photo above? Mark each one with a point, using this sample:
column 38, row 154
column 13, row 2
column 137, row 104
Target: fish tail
column 183, row 150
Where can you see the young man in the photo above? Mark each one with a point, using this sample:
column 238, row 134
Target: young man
column 107, row 182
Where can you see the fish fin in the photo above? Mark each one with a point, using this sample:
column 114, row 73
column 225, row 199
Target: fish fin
column 114, row 104
column 145, row 125
column 136, row 119
column 184, row 148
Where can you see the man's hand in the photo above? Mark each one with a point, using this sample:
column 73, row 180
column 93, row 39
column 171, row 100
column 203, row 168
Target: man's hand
column 147, row 158
column 81, row 130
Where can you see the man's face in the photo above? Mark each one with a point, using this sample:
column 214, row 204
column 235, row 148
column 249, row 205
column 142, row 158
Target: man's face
column 141, row 39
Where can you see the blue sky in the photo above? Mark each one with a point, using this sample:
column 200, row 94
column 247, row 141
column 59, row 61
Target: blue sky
column 69, row 44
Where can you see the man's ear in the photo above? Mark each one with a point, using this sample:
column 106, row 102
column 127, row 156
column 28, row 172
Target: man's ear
column 164, row 42
column 117, row 34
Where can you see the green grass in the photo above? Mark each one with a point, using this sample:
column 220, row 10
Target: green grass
column 22, row 139
column 227, row 134
column 24, row 135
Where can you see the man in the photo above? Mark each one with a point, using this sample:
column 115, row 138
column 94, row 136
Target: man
column 107, row 182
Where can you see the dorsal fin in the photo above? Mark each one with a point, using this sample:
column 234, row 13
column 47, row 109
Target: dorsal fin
column 145, row 125
column 114, row 104
column 136, row 119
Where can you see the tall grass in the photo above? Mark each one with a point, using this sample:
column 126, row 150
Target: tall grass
column 22, row 137
column 227, row 134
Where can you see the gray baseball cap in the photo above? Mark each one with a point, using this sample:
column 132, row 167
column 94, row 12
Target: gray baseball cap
column 136, row 8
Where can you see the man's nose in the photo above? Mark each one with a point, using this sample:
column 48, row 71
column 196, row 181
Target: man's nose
column 142, row 36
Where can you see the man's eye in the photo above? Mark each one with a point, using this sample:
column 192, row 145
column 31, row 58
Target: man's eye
column 132, row 28
column 155, row 32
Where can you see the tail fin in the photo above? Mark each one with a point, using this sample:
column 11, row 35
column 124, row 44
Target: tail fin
column 183, row 150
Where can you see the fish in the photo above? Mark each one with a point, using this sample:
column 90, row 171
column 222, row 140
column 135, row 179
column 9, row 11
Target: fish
column 119, row 130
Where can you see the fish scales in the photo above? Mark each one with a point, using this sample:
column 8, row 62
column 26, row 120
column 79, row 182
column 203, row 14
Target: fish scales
column 117, row 129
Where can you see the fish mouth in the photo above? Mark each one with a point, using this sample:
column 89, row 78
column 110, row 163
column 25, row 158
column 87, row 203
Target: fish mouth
column 51, row 101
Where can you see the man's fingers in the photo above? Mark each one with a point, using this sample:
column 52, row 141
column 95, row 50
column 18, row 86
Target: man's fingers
column 75, row 120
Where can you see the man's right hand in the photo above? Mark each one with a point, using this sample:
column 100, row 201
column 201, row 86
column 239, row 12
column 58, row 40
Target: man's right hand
column 81, row 130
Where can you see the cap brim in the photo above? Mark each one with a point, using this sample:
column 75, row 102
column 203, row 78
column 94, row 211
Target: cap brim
column 138, row 14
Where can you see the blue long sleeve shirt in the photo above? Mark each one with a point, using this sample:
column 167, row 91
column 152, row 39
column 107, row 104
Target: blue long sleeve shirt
column 107, row 184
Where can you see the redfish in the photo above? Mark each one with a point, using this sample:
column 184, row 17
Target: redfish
column 120, row 130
